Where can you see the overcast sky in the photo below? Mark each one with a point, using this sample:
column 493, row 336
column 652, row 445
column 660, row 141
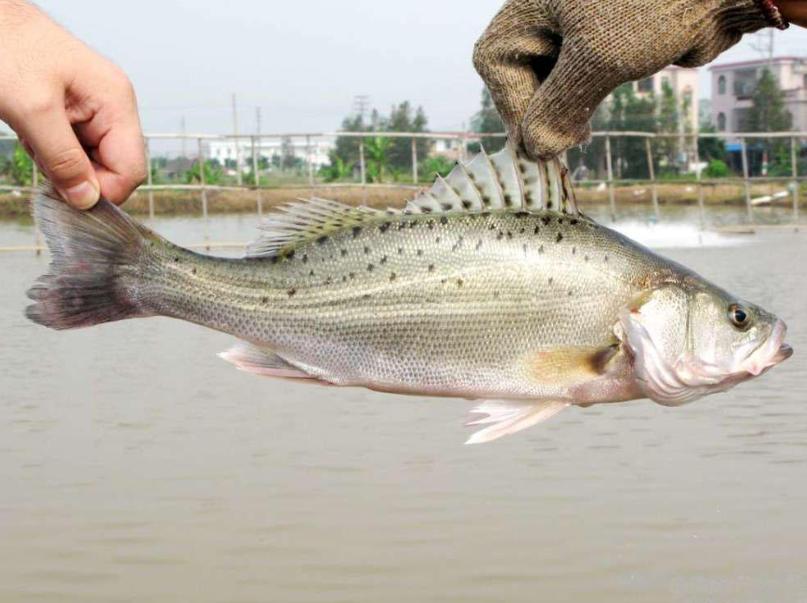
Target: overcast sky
column 301, row 61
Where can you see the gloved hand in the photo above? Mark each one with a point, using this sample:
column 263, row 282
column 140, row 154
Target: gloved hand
column 550, row 63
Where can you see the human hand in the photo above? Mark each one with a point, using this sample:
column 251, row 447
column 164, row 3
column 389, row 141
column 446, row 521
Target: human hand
column 73, row 110
column 550, row 63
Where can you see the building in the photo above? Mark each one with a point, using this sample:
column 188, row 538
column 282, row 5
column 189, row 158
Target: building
column 315, row 150
column 684, row 84
column 733, row 85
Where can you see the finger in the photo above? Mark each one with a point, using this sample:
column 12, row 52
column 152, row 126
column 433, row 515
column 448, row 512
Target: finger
column 559, row 113
column 60, row 156
column 513, row 56
column 118, row 152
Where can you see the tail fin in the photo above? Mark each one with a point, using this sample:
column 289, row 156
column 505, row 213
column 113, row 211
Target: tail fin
column 93, row 255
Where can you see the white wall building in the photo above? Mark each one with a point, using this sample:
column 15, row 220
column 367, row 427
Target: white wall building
column 733, row 85
column 317, row 150
column 685, row 87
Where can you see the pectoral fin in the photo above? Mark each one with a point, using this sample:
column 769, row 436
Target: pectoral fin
column 506, row 417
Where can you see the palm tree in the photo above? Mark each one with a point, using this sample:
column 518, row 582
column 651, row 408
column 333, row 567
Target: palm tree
column 377, row 150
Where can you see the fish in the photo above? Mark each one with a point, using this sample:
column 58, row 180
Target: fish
column 490, row 286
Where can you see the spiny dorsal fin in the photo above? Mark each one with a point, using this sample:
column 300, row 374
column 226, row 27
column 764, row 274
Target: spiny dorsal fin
column 305, row 221
column 506, row 180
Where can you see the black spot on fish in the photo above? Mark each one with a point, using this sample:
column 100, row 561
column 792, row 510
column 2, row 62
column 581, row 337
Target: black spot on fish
column 524, row 247
column 431, row 267
column 559, row 237
column 322, row 240
column 400, row 250
column 437, row 240
column 560, row 221
column 606, row 258
column 485, row 214
column 430, row 224
column 343, row 252
column 274, row 259
column 384, row 227
column 528, row 198
column 444, row 220
column 264, row 300
column 370, row 267
column 290, row 255
column 508, row 200
column 447, row 207
column 392, row 276
column 344, row 279
column 496, row 295
column 366, row 250
column 176, row 259
column 500, row 236
column 366, row 296
column 479, row 244
column 292, row 292
column 537, row 230
column 551, row 280
column 468, row 205
column 427, row 210
column 492, row 227
column 383, row 260
column 305, row 258
column 586, row 258
column 541, row 249
column 310, row 273
column 329, row 280
column 420, row 252
column 521, row 214
column 460, row 282
column 352, row 275
column 193, row 270
column 356, row 231
column 574, row 222
column 401, row 225
column 443, row 281
column 522, row 230
column 574, row 250
column 509, row 234
column 546, row 220
column 571, row 292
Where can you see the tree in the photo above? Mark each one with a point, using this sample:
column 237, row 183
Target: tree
column 397, row 152
column 377, row 151
column 22, row 167
column 212, row 173
column 711, row 149
column 488, row 121
column 768, row 113
column 403, row 119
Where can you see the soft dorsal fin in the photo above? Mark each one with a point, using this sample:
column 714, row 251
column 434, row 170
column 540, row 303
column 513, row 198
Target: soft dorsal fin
column 506, row 180
column 305, row 221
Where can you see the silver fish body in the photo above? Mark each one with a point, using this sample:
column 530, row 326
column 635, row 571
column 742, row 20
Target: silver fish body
column 538, row 306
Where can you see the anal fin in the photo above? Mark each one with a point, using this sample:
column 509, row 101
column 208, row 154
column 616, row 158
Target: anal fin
column 505, row 417
column 261, row 361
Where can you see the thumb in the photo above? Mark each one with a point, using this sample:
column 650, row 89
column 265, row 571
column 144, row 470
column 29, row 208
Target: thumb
column 61, row 157
column 559, row 113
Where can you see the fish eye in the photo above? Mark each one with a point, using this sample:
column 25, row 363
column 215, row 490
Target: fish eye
column 739, row 316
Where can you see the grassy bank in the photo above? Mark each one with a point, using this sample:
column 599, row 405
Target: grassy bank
column 189, row 202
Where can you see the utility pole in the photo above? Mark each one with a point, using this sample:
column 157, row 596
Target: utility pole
column 237, row 142
column 361, row 105
column 184, row 131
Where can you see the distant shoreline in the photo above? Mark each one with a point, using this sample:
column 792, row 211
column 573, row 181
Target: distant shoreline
column 189, row 203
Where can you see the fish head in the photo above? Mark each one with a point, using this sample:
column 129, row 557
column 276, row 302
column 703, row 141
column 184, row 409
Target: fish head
column 689, row 340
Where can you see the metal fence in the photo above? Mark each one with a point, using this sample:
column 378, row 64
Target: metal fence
column 601, row 163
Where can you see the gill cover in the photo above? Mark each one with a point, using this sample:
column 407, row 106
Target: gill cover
column 656, row 331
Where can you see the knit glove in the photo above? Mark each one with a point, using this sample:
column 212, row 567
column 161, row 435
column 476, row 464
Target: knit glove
column 550, row 63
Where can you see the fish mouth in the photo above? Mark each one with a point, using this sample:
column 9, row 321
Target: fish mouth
column 771, row 353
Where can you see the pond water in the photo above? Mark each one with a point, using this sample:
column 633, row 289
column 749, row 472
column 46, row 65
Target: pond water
column 137, row 466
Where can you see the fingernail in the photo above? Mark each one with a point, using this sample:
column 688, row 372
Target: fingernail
column 82, row 196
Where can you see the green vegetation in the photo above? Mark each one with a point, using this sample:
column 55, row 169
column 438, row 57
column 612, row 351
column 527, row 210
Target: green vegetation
column 212, row 173
column 768, row 113
column 431, row 167
column 717, row 168
column 386, row 158
column 21, row 167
